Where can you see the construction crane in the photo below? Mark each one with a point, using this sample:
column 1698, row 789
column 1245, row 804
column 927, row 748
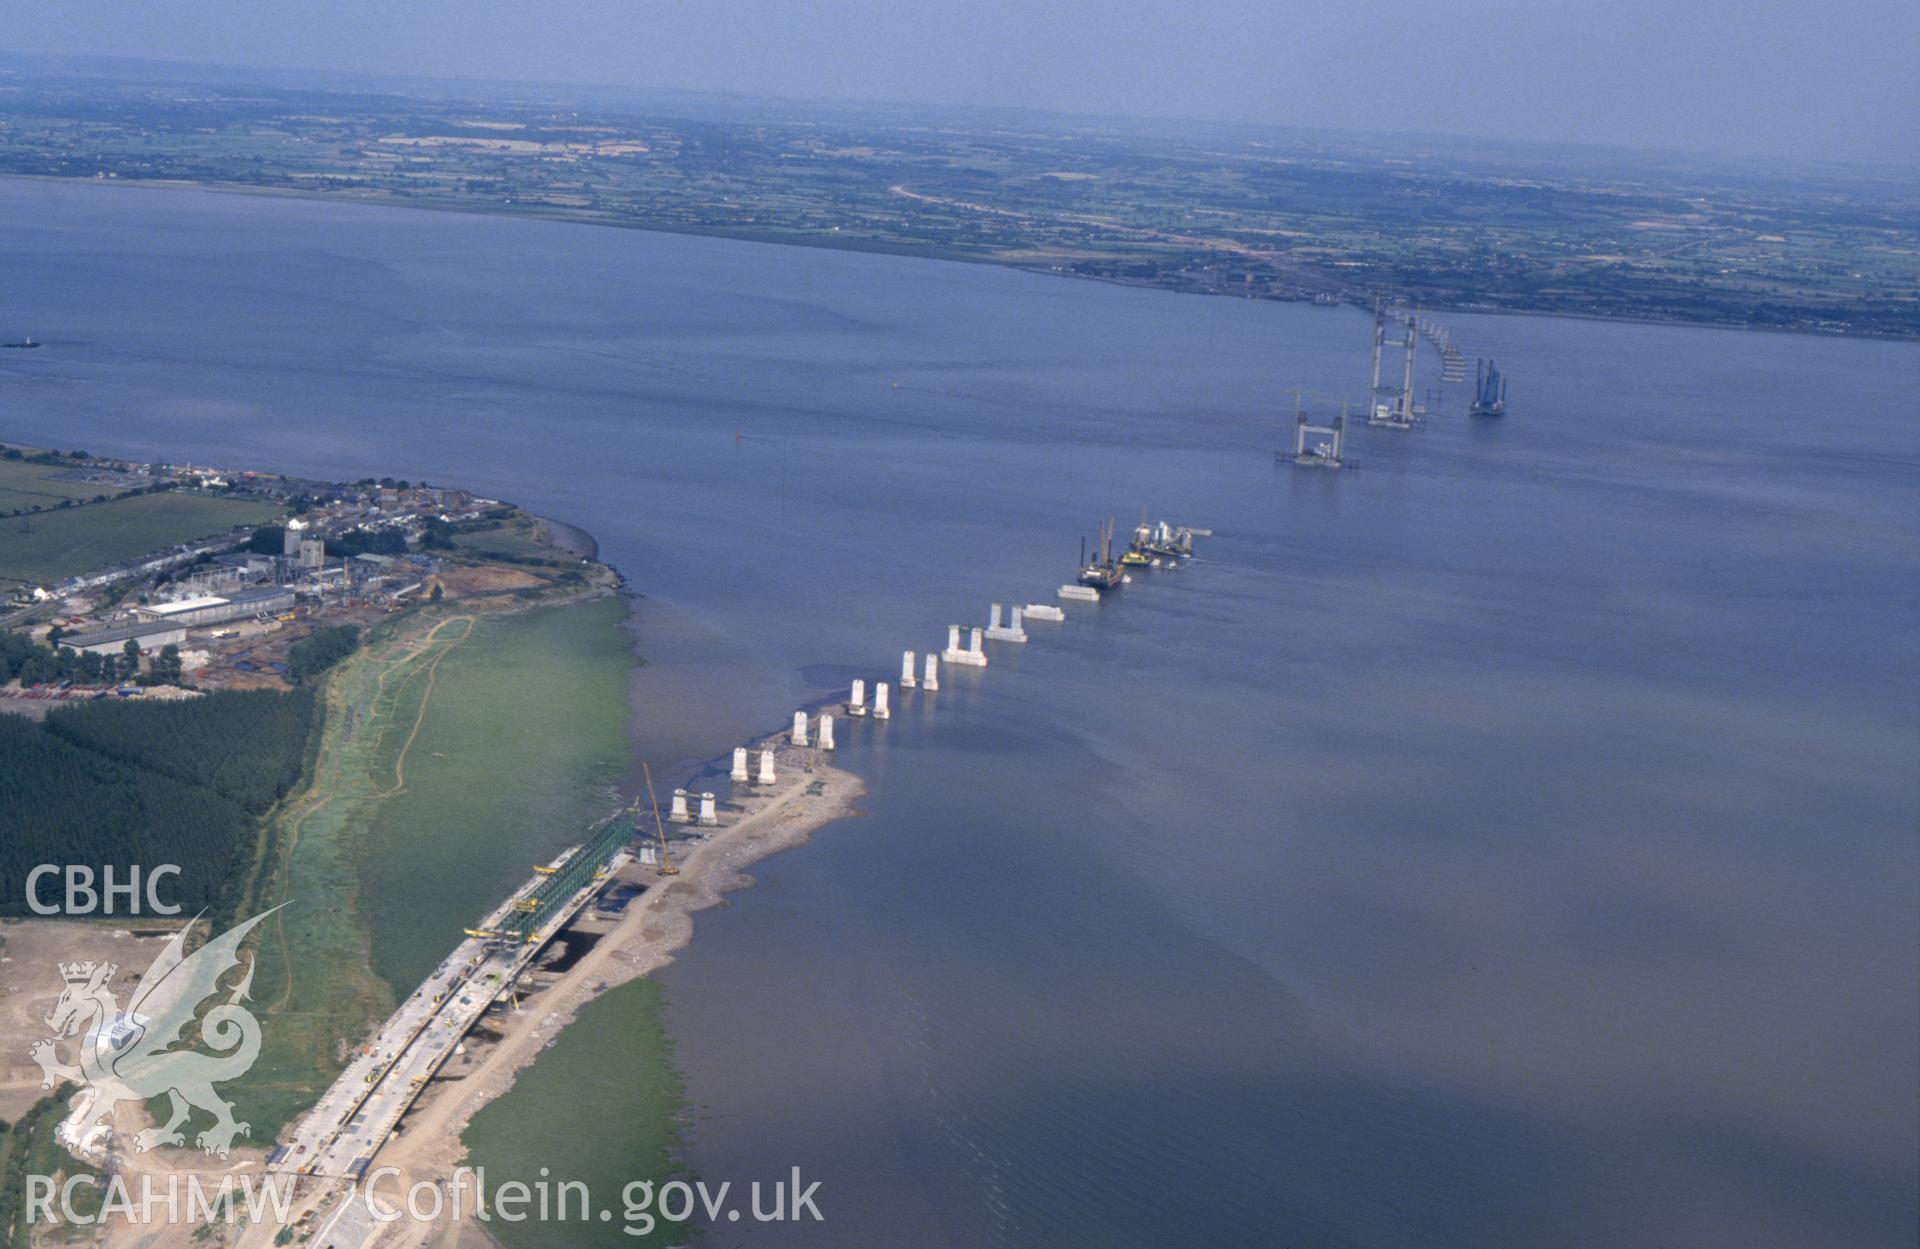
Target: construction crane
column 666, row 860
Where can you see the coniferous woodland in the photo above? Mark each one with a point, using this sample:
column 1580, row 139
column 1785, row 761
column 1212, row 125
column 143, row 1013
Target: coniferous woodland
column 128, row 784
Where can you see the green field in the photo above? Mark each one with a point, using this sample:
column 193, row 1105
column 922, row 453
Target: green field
column 51, row 546
column 516, row 542
column 524, row 736
column 450, row 763
column 24, row 485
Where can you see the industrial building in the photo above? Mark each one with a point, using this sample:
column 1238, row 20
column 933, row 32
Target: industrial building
column 149, row 634
column 213, row 609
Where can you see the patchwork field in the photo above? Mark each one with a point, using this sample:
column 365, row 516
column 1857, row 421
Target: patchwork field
column 50, row 546
column 1220, row 208
column 24, row 486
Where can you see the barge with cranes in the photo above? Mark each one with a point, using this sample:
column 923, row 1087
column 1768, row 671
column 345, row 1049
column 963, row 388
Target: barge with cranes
column 1103, row 572
column 1157, row 545
column 1489, row 391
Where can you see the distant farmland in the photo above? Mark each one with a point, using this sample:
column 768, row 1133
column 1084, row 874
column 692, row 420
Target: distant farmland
column 52, row 545
column 24, row 485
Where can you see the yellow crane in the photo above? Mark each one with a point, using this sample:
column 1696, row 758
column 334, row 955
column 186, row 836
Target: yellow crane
column 666, row 860
column 553, row 869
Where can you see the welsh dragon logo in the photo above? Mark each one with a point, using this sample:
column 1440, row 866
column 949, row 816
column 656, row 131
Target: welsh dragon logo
column 127, row 1056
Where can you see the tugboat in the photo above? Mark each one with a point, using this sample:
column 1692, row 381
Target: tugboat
column 1103, row 573
column 1489, row 391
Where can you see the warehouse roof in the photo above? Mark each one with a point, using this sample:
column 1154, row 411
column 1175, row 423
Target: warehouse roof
column 185, row 604
column 120, row 633
column 259, row 596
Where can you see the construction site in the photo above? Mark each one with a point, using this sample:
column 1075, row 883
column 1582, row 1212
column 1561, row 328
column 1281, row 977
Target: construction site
column 1320, row 440
column 509, row 961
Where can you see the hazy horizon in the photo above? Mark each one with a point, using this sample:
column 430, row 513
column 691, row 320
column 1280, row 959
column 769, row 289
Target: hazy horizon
column 1796, row 83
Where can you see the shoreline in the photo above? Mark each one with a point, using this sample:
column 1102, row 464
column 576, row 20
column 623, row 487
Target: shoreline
column 656, row 926
column 576, row 541
column 561, row 217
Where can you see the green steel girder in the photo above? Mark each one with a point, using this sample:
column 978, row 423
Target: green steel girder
column 553, row 891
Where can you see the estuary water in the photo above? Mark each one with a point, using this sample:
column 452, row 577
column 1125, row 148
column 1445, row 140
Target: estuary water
column 1512, row 842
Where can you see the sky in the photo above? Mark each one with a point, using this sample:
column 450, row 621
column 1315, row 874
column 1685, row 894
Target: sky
column 1802, row 80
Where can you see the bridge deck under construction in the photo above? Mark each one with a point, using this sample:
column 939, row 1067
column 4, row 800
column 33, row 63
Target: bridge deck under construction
column 356, row 1115
column 532, row 913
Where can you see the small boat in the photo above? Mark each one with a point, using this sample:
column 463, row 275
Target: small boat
column 1137, row 554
